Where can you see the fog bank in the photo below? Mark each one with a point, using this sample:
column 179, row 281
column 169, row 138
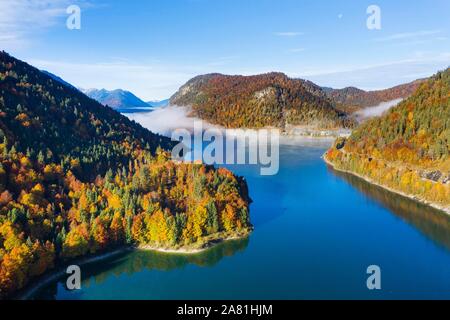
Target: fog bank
column 165, row 120
column 376, row 111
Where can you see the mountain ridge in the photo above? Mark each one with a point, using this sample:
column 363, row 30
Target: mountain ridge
column 289, row 102
column 266, row 100
column 353, row 99
column 59, row 79
column 116, row 99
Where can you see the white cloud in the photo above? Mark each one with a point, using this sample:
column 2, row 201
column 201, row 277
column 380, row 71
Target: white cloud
column 408, row 35
column 148, row 81
column 22, row 20
column 380, row 76
column 157, row 80
column 288, row 34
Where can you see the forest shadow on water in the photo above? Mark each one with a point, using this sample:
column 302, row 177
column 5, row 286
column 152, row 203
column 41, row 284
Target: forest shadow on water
column 316, row 231
column 432, row 223
column 129, row 263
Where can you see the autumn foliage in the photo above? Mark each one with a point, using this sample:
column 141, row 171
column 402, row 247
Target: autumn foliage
column 351, row 99
column 408, row 148
column 77, row 178
column 267, row 100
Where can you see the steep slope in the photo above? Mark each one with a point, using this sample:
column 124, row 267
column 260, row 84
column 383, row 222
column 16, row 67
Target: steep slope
column 59, row 79
column 117, row 99
column 407, row 149
column 351, row 99
column 258, row 101
column 78, row 178
column 40, row 114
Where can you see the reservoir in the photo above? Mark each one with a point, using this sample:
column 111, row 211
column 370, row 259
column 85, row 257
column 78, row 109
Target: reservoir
column 316, row 232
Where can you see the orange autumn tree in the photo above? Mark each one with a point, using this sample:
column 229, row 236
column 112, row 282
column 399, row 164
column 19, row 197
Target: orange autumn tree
column 78, row 178
column 408, row 148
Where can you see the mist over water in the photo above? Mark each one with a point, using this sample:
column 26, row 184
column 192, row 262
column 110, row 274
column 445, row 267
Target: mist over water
column 165, row 120
column 377, row 110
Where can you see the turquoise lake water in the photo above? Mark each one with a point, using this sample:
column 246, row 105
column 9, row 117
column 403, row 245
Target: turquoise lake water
column 316, row 232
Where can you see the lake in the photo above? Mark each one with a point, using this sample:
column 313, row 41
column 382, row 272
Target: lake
column 316, row 232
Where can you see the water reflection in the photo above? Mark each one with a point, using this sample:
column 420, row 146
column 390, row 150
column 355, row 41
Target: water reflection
column 137, row 261
column 433, row 223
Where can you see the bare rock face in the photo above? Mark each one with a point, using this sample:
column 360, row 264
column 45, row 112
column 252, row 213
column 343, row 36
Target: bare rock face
column 432, row 175
column 265, row 93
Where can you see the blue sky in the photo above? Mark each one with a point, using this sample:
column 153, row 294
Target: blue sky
column 151, row 47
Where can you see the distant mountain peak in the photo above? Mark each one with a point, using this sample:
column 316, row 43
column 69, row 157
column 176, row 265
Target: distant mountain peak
column 158, row 103
column 117, row 98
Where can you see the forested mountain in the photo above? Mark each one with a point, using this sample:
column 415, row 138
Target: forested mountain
column 116, row 99
column 59, row 79
column 78, row 178
column 43, row 116
column 351, row 99
column 408, row 148
column 258, row 101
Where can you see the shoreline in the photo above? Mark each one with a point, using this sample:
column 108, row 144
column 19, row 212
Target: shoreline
column 436, row 206
column 53, row 275
column 289, row 131
column 193, row 250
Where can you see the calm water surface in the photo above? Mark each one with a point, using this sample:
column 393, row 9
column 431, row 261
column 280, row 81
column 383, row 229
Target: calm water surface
column 316, row 232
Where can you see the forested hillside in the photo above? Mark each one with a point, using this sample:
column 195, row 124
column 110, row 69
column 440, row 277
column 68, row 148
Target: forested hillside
column 46, row 119
column 77, row 178
column 408, row 148
column 259, row 101
column 351, row 99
